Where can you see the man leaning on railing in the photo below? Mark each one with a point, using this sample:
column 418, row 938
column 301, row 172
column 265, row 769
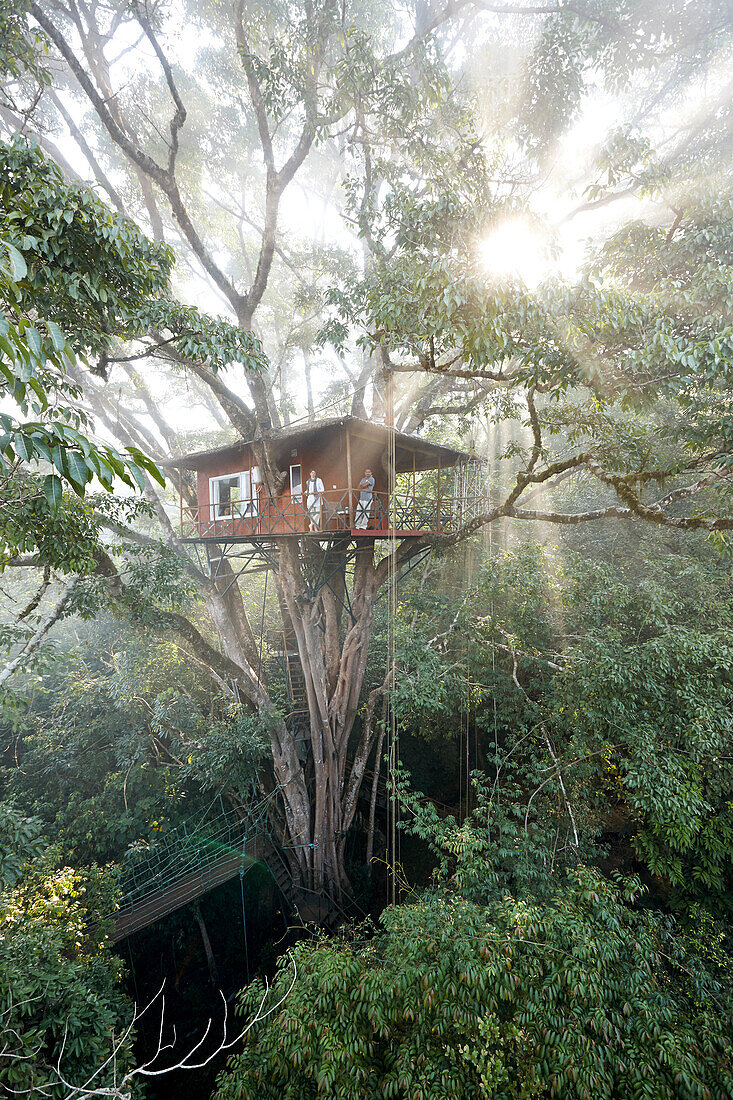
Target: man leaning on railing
column 366, row 497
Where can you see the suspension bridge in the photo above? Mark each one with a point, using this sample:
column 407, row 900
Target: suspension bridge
column 190, row 860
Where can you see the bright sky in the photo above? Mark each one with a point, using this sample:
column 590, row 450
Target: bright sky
column 514, row 247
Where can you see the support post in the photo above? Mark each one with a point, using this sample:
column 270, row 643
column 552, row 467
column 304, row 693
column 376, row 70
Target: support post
column 180, row 500
column 438, row 518
column 391, row 471
column 210, row 960
column 349, row 479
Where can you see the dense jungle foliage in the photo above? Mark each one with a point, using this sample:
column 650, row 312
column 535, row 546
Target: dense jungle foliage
column 490, row 852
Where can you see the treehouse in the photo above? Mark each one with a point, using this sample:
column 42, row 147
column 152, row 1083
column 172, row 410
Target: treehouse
column 435, row 489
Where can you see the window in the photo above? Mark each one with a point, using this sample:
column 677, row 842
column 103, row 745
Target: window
column 231, row 495
column 296, row 483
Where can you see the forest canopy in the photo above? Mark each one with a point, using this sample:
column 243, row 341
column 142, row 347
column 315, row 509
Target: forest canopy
column 366, row 438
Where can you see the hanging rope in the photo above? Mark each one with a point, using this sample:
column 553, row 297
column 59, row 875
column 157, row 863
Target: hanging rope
column 469, row 578
column 493, row 672
column 134, row 976
column 393, row 754
column 468, row 735
column 464, row 702
column 262, row 626
column 460, row 750
column 244, row 925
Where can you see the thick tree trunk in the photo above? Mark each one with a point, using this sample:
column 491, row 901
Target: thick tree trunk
column 333, row 655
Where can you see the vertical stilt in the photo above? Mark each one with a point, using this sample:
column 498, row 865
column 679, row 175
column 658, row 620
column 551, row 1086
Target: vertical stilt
column 349, row 478
column 210, row 960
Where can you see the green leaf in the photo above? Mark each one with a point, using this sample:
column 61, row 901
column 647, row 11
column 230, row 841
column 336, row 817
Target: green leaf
column 137, row 475
column 53, row 491
column 23, row 447
column 43, row 449
column 34, row 340
column 18, row 266
column 57, row 337
column 77, row 469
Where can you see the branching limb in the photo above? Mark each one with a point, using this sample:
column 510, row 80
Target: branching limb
column 240, row 415
column 228, row 669
column 363, row 751
column 558, row 769
column 162, row 176
column 99, row 174
column 179, row 116
column 32, row 643
column 36, row 598
column 123, row 1086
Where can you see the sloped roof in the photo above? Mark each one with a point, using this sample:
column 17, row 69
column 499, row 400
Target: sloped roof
column 448, row 456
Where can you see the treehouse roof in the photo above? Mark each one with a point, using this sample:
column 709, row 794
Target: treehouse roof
column 427, row 455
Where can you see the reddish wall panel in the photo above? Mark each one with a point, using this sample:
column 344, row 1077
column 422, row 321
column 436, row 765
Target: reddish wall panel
column 325, row 452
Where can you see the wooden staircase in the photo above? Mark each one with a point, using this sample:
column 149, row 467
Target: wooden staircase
column 285, row 650
column 280, row 872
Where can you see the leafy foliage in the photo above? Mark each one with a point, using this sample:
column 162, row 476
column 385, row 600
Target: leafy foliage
column 22, row 838
column 625, row 674
column 655, row 719
column 21, row 50
column 34, row 376
column 120, row 743
column 581, row 996
column 95, row 274
column 58, row 980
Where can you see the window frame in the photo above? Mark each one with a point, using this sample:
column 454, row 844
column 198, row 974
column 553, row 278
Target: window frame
column 247, row 500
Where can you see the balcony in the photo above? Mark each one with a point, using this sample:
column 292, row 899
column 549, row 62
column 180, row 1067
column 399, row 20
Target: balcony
column 403, row 515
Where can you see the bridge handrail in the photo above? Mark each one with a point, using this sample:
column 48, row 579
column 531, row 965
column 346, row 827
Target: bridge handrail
column 182, row 851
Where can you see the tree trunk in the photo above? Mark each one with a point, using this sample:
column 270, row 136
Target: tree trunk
column 288, row 771
column 308, row 387
column 333, row 674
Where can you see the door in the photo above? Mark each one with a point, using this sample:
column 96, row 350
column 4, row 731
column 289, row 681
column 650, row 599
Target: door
column 296, row 483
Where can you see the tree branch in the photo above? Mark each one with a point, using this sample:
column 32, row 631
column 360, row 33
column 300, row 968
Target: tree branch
column 162, row 176
column 32, row 643
column 179, row 116
column 184, row 628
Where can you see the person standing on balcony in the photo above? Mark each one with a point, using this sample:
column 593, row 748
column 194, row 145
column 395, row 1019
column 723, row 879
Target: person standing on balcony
column 315, row 489
column 366, row 496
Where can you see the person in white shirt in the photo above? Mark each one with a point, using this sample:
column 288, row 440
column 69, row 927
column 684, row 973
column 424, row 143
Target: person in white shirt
column 366, row 496
column 314, row 488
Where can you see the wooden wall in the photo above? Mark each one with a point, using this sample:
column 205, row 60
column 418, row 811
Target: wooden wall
column 325, row 452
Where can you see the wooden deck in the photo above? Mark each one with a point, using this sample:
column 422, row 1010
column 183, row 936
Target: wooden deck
column 347, row 534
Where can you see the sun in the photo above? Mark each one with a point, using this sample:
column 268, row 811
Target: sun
column 515, row 249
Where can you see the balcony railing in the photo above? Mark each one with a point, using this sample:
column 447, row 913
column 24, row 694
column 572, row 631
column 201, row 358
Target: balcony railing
column 336, row 511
